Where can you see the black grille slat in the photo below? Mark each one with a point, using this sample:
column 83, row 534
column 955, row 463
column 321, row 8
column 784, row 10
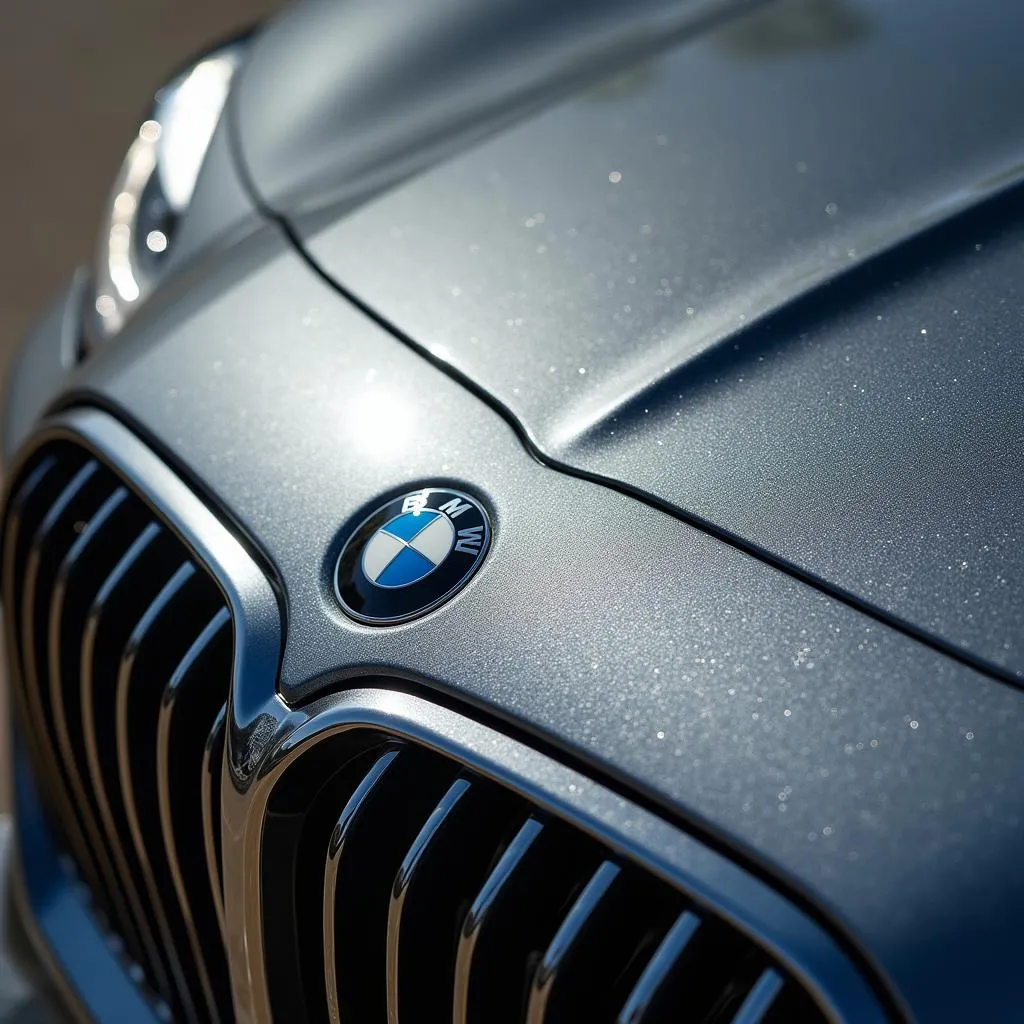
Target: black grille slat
column 712, row 976
column 579, row 919
column 82, row 572
column 93, row 647
column 633, row 921
column 448, row 895
column 188, row 707
column 440, row 875
column 599, row 951
column 478, row 913
column 533, row 903
column 95, row 700
column 408, row 873
column 369, row 847
column 339, row 836
column 62, row 522
column 36, row 493
column 792, row 1006
column 296, row 837
column 131, row 587
column 159, row 641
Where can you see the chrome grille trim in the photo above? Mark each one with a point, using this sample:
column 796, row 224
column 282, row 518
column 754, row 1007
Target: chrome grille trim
column 262, row 738
column 561, row 947
column 761, row 998
column 658, row 968
column 489, row 895
column 404, row 880
column 213, row 757
column 51, row 895
column 708, row 879
column 335, row 850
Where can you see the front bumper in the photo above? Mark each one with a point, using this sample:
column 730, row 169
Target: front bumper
column 29, row 990
column 56, row 964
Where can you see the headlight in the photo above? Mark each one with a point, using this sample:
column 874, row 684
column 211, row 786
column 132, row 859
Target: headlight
column 154, row 188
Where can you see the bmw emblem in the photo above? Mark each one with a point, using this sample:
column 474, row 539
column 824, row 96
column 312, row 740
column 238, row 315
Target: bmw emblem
column 411, row 554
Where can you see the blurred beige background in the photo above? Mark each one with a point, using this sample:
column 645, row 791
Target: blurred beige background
column 75, row 78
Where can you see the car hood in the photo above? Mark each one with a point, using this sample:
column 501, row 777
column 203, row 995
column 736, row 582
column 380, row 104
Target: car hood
column 762, row 269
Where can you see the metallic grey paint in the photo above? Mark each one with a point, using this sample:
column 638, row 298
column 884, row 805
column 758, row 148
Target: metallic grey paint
column 872, row 775
column 385, row 87
column 866, row 770
column 258, row 757
column 612, row 272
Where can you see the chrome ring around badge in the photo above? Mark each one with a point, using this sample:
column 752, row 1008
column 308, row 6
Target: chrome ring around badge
column 411, row 554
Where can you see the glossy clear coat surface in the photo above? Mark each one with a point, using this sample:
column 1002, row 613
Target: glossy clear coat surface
column 673, row 281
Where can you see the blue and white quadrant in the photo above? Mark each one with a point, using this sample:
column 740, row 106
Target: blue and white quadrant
column 411, row 554
column 407, row 548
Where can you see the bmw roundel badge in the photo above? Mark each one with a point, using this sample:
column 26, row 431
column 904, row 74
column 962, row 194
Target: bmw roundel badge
column 411, row 554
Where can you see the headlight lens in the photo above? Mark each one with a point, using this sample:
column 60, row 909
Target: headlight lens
column 154, row 188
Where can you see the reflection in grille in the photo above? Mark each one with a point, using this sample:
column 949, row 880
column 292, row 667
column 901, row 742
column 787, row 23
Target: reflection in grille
column 398, row 884
column 120, row 646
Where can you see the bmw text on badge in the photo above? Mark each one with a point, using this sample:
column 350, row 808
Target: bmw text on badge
column 411, row 554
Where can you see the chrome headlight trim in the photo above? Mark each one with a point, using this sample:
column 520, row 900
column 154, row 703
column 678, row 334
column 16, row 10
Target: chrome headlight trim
column 153, row 189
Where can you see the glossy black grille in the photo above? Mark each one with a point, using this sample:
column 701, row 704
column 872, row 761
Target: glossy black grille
column 120, row 648
column 398, row 884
